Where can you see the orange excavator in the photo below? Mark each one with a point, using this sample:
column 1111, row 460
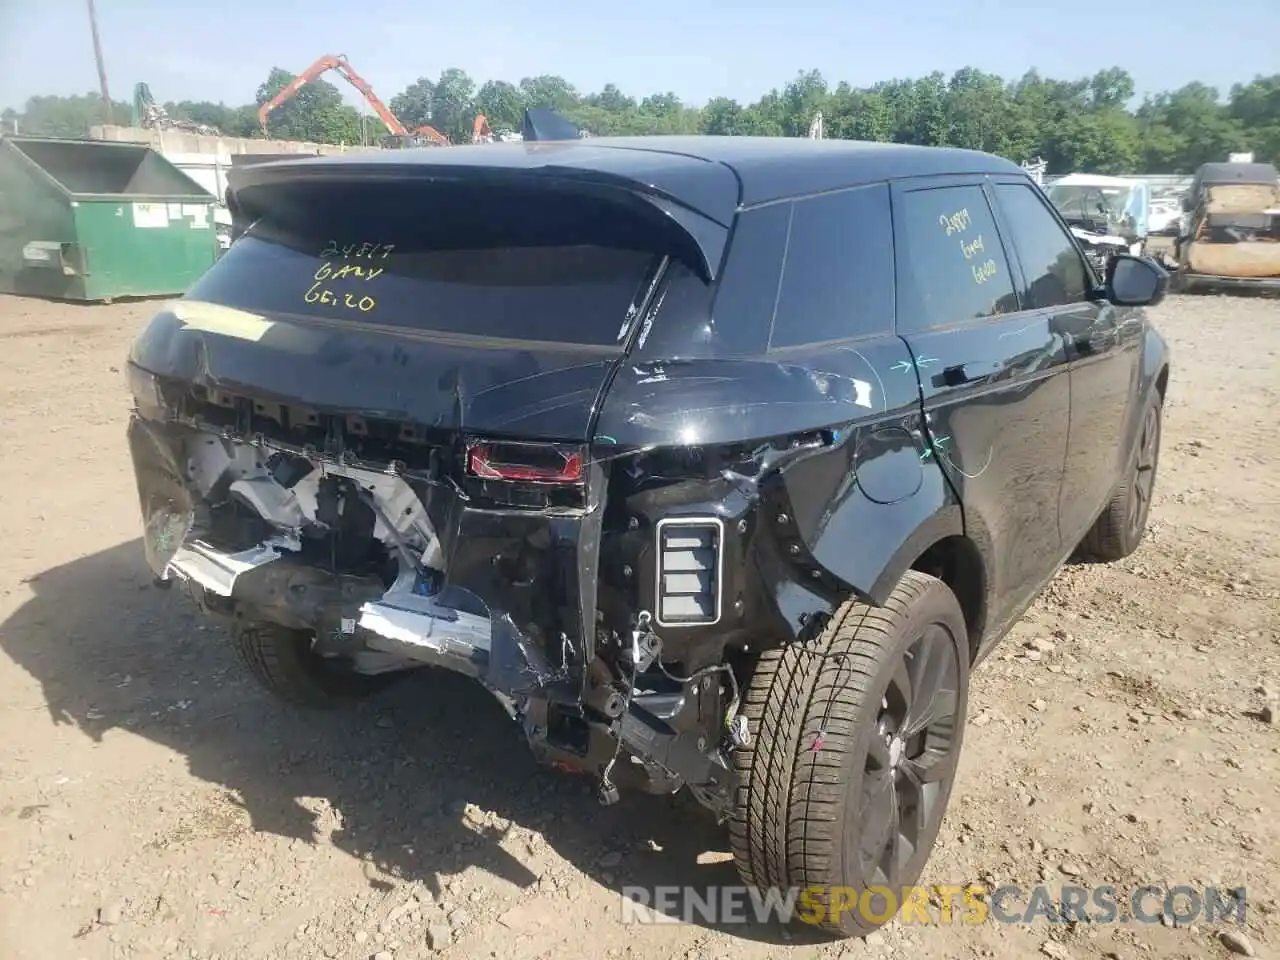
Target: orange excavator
column 480, row 130
column 339, row 62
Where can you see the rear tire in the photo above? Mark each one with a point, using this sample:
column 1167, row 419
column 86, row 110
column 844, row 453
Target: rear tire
column 847, row 760
column 1118, row 530
column 282, row 661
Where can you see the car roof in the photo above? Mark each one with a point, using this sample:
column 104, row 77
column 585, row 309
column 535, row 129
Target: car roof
column 773, row 168
column 711, row 174
column 1254, row 173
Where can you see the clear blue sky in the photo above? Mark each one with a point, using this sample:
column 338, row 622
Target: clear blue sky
column 699, row 49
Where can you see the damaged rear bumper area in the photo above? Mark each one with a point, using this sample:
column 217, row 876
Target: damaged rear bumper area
column 261, row 532
column 388, row 568
column 399, row 625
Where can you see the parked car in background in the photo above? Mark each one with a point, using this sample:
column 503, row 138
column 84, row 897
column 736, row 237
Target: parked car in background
column 1230, row 232
column 1108, row 215
column 718, row 461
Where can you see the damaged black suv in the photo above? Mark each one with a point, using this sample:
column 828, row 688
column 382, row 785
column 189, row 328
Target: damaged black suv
column 719, row 461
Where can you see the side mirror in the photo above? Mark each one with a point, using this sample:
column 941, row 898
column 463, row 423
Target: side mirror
column 1135, row 281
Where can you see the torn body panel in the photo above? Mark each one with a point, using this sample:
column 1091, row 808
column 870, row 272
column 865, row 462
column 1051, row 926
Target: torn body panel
column 853, row 475
column 613, row 617
column 259, row 531
column 348, row 553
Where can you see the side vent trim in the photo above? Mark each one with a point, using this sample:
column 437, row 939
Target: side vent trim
column 689, row 571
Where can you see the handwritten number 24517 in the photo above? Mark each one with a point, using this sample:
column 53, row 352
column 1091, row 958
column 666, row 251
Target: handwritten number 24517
column 356, row 251
column 956, row 222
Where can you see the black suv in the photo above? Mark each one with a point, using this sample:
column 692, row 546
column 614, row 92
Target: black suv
column 719, row 461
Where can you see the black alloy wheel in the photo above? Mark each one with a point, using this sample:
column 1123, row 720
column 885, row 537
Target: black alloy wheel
column 1120, row 527
column 911, row 752
column 1144, row 472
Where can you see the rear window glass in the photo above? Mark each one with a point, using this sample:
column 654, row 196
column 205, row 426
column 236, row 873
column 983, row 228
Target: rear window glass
column 458, row 263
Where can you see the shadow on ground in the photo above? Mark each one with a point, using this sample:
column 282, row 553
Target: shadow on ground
column 110, row 650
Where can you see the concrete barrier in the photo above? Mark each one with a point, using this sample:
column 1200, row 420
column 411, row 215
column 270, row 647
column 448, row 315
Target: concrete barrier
column 186, row 142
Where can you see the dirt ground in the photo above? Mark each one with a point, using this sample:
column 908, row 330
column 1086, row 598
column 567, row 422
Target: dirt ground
column 155, row 803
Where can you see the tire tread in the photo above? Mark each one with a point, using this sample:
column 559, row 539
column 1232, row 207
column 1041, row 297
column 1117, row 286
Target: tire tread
column 280, row 659
column 786, row 830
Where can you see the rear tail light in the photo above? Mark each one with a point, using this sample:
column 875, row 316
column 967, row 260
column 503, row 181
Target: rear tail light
column 690, row 567
column 527, row 463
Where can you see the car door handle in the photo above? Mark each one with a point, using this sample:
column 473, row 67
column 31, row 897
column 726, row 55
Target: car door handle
column 962, row 373
column 1100, row 338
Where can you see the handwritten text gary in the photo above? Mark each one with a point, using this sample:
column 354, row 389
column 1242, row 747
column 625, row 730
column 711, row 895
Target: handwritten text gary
column 352, row 266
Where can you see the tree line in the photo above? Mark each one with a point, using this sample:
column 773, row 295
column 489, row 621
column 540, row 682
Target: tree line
column 1085, row 124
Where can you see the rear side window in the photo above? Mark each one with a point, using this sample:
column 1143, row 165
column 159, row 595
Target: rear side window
column 748, row 288
column 732, row 317
column 456, row 263
column 1054, row 271
column 680, row 326
column 837, row 283
column 952, row 268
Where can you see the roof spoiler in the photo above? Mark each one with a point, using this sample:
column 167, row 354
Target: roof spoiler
column 692, row 237
column 543, row 124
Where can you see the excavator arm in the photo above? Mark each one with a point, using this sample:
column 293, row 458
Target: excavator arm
column 480, row 131
column 333, row 62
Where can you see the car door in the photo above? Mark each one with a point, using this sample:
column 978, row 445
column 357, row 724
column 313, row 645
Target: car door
column 1103, row 347
column 993, row 382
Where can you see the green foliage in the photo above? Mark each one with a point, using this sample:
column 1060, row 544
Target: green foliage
column 1083, row 124
column 554, row 93
column 232, row 121
column 65, row 116
column 453, row 105
column 413, row 105
column 502, row 105
column 1256, row 108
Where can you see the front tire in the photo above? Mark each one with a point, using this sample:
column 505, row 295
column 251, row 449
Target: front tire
column 282, row 660
column 1118, row 530
column 847, row 777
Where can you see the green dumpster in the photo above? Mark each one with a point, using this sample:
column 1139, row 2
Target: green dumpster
column 93, row 220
